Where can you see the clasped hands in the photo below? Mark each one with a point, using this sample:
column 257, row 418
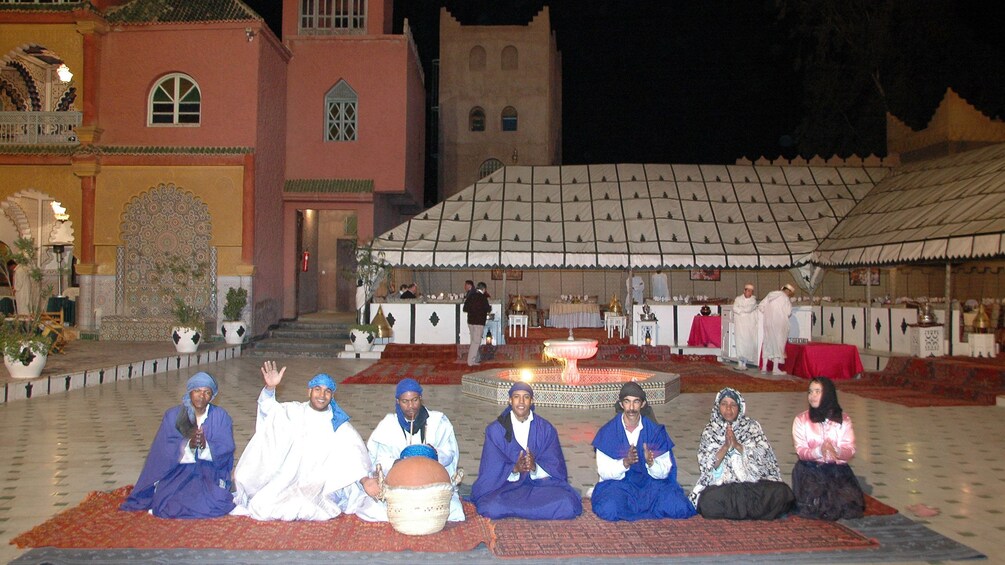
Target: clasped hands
column 525, row 463
column 633, row 456
column 828, row 451
column 198, row 439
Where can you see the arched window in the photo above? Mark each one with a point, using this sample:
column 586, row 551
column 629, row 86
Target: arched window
column 510, row 58
column 488, row 167
column 175, row 100
column 476, row 59
column 476, row 119
column 509, row 118
column 340, row 113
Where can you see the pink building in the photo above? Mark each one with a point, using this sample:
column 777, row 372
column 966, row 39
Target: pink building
column 197, row 133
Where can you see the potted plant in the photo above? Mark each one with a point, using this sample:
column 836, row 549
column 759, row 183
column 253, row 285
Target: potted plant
column 182, row 281
column 362, row 336
column 234, row 329
column 25, row 348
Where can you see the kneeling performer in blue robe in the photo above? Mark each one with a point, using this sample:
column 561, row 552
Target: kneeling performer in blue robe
column 187, row 473
column 522, row 471
column 638, row 472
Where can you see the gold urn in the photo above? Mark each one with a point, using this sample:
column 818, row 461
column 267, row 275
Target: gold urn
column 384, row 330
column 519, row 305
column 615, row 307
column 982, row 323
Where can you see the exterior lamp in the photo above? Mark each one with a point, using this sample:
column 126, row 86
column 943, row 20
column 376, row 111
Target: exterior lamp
column 59, row 212
column 64, row 73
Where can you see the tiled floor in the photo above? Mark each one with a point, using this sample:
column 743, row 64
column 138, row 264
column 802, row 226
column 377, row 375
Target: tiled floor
column 58, row 448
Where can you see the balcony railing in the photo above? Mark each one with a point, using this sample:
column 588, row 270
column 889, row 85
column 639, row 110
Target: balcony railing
column 38, row 128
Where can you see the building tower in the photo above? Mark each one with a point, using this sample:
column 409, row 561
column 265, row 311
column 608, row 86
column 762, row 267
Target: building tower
column 500, row 99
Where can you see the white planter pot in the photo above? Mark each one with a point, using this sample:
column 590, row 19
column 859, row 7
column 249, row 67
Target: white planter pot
column 361, row 341
column 19, row 370
column 234, row 332
column 186, row 340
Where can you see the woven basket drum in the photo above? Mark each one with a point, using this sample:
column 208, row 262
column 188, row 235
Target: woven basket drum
column 418, row 492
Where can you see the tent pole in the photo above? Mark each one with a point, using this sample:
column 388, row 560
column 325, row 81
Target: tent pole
column 949, row 305
column 868, row 308
column 503, row 312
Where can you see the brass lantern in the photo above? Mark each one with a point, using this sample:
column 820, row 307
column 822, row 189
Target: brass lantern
column 384, row 330
column 615, row 307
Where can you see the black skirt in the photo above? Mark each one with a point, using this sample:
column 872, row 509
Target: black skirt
column 763, row 500
column 827, row 491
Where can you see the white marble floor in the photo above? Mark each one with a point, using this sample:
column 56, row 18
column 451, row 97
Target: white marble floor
column 57, row 449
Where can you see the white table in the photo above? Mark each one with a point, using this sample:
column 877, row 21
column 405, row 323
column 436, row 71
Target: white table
column 574, row 315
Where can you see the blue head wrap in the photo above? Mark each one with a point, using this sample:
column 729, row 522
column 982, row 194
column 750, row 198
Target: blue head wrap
column 407, row 385
column 339, row 416
column 198, row 380
column 422, row 450
column 520, row 385
column 419, row 424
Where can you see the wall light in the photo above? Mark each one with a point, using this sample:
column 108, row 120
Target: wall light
column 64, row 73
column 250, row 34
column 59, row 211
column 516, row 156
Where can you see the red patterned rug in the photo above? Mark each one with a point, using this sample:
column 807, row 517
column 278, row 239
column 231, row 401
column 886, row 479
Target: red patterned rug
column 97, row 523
column 590, row 536
column 438, row 365
column 942, row 381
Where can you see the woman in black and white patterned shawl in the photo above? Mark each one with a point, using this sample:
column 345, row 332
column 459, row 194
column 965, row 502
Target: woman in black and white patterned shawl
column 739, row 478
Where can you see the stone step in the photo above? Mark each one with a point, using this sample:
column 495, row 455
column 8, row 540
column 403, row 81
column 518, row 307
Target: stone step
column 341, row 334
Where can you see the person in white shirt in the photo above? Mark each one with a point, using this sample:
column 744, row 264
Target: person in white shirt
column 305, row 461
column 412, row 423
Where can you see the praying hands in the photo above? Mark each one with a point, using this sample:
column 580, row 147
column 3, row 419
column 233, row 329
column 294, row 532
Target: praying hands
column 525, row 463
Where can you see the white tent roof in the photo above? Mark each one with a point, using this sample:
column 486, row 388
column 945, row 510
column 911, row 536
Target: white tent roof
column 629, row 215
column 939, row 209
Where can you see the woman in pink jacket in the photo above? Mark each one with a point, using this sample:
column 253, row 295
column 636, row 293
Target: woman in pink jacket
column 823, row 482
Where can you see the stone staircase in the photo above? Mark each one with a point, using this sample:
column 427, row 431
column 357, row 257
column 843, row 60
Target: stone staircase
column 304, row 337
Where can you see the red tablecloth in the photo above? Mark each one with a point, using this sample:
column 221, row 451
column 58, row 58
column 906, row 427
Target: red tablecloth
column 706, row 331
column 834, row 360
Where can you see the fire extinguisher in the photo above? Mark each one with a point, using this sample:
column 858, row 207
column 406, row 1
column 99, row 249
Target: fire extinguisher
column 305, row 261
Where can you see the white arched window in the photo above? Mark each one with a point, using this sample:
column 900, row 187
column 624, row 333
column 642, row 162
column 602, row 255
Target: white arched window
column 340, row 113
column 488, row 167
column 175, row 101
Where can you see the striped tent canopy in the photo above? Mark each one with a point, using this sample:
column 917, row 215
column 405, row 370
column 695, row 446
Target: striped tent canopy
column 636, row 216
column 951, row 208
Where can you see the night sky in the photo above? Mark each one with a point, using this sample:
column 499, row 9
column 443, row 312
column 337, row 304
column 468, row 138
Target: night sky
column 713, row 81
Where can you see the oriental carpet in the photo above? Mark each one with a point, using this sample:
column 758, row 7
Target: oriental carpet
column 933, row 381
column 97, row 522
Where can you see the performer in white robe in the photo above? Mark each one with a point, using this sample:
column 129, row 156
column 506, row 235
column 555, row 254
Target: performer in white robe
column 305, row 461
column 775, row 309
column 745, row 327
column 412, row 424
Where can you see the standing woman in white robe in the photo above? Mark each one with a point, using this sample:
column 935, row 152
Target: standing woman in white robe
column 305, row 461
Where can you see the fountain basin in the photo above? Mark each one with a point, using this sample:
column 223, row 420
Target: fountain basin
column 570, row 351
column 597, row 388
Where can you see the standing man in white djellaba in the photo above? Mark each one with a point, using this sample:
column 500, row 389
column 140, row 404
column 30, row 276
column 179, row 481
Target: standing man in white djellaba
column 775, row 309
column 745, row 327
column 305, row 461
column 412, row 424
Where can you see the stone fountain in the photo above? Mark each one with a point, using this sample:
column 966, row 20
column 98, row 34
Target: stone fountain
column 569, row 386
